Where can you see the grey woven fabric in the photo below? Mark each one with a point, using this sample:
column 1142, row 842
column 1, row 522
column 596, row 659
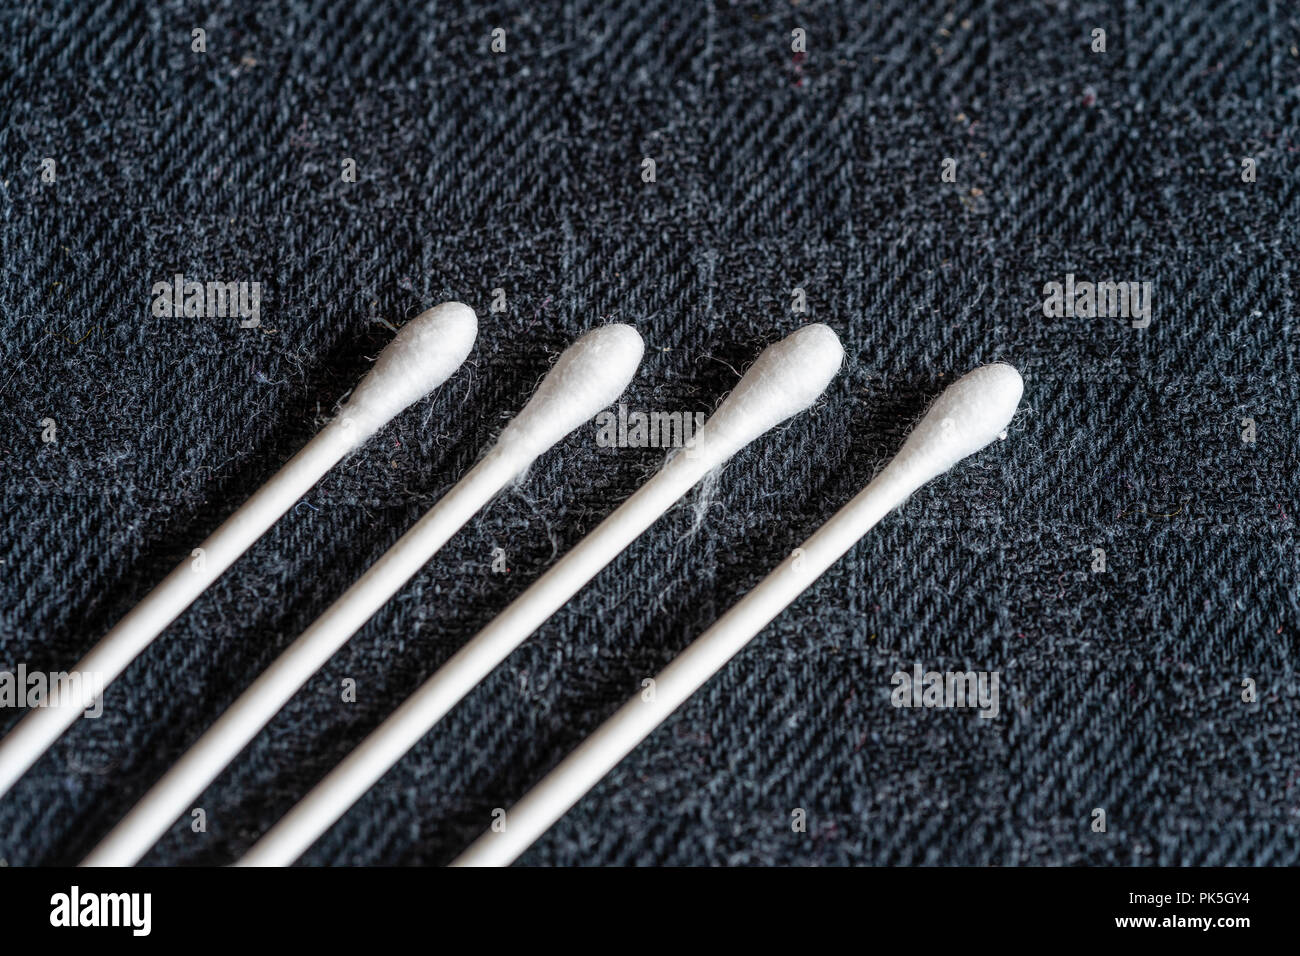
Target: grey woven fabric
column 775, row 170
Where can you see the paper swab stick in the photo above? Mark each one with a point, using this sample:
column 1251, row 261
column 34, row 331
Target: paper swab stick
column 423, row 355
column 785, row 379
column 590, row 375
column 968, row 415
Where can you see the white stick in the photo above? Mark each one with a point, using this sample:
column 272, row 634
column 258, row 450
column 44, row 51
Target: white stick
column 423, row 355
column 589, row 376
column 784, row 380
column 969, row 415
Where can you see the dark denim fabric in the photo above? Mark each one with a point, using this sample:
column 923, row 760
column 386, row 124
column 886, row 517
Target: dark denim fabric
column 1120, row 690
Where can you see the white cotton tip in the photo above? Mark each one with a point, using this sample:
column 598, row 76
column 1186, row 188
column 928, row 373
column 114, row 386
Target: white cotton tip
column 424, row 354
column 590, row 376
column 972, row 412
column 783, row 381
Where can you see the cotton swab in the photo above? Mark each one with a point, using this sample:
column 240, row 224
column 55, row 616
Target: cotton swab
column 968, row 415
column 423, row 355
column 590, row 375
column 785, row 379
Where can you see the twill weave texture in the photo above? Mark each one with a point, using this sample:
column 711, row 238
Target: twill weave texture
column 1119, row 689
